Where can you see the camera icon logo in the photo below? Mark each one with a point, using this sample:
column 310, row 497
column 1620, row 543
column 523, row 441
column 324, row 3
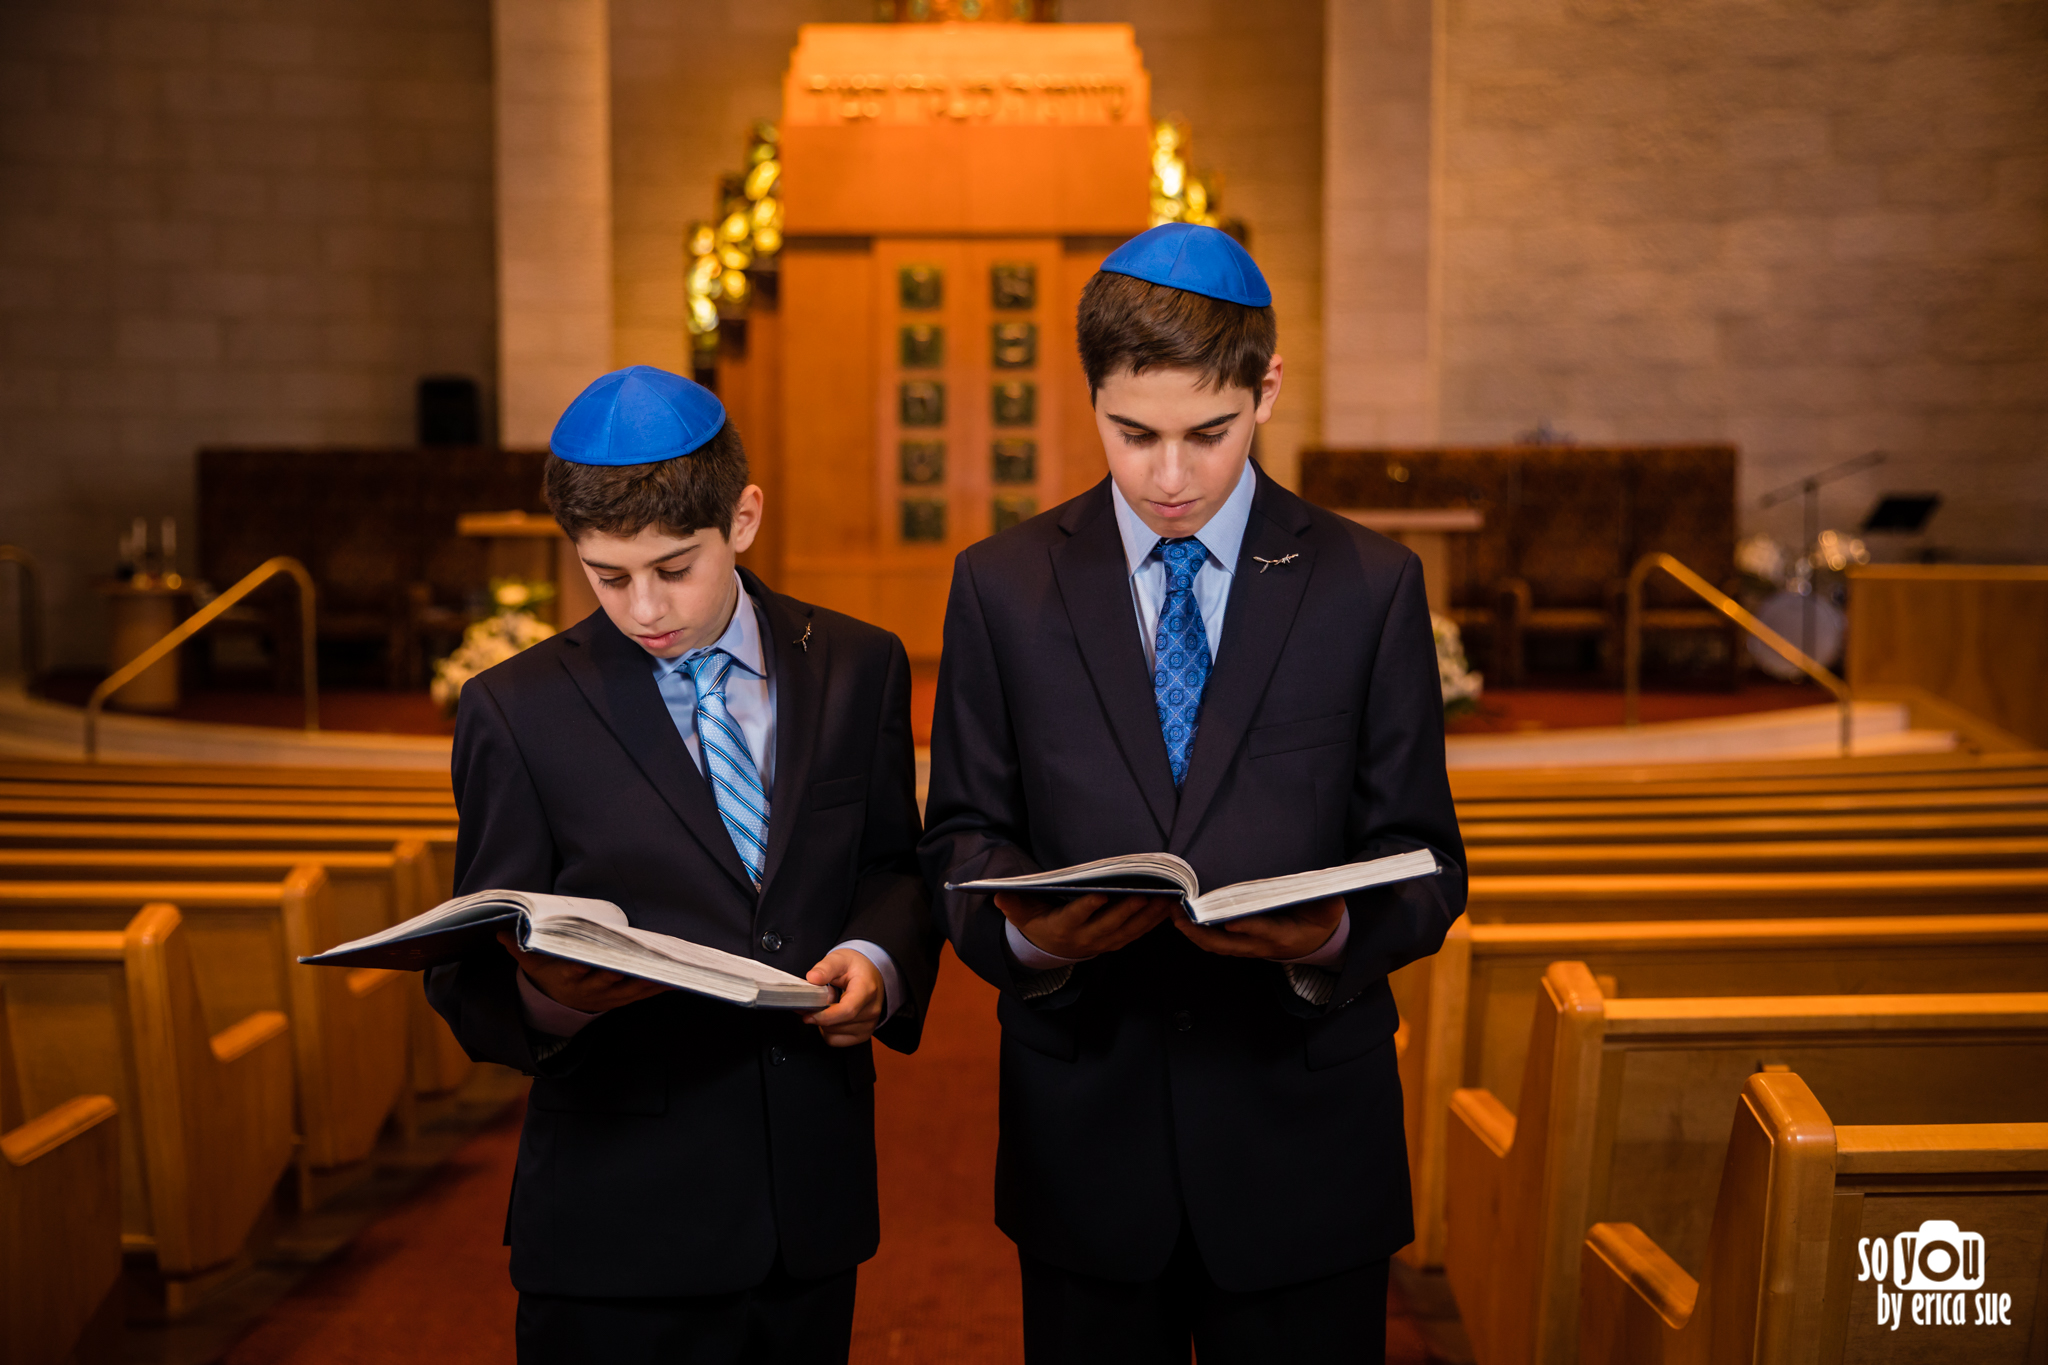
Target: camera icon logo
column 1940, row 1256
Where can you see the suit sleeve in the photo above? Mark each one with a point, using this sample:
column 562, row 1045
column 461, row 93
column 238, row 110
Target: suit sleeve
column 976, row 824
column 504, row 841
column 1401, row 800
column 890, row 904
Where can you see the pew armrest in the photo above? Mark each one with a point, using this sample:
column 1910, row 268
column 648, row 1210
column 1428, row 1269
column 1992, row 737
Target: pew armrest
column 47, row 1132
column 1634, row 1301
column 236, row 1041
column 1486, row 1117
column 1628, row 1254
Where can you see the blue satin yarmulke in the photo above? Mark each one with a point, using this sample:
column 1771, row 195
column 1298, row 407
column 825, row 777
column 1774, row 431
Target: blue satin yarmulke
column 638, row 415
column 1201, row 260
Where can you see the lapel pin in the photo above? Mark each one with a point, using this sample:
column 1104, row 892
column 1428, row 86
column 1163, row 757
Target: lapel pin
column 803, row 641
column 1265, row 563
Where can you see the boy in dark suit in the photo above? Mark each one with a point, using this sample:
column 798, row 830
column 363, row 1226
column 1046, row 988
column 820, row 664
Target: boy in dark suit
column 1201, row 1127
column 696, row 1182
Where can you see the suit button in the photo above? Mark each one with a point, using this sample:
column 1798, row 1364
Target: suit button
column 777, row 1056
column 770, row 941
column 1183, row 1021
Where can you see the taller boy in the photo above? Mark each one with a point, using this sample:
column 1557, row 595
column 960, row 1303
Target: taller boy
column 696, row 1182
column 1202, row 1134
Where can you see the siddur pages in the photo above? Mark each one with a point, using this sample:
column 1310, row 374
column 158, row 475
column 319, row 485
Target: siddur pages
column 1154, row 874
column 592, row 932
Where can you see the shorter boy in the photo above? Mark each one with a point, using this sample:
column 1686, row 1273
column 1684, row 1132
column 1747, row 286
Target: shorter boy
column 1201, row 1127
column 696, row 1181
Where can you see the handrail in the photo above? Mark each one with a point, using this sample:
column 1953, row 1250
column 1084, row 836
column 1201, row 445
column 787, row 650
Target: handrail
column 29, row 585
column 1632, row 670
column 198, row 621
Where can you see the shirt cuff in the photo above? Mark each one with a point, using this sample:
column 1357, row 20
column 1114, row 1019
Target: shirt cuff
column 1029, row 955
column 1331, row 954
column 544, row 1014
column 892, row 982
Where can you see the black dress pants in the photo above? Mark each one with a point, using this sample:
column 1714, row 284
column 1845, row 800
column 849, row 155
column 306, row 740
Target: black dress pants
column 781, row 1321
column 1075, row 1319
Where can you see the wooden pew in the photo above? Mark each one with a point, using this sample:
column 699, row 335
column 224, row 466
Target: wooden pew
column 350, row 1047
column 439, row 874
column 1761, row 855
column 371, row 891
column 1641, row 806
column 1731, row 895
column 154, row 791
column 1616, row 1121
column 439, row 1063
column 1939, row 772
column 1465, row 1011
column 60, row 1220
column 207, row 1114
column 1723, row 828
column 1787, row 1276
column 266, row 809
column 226, row 774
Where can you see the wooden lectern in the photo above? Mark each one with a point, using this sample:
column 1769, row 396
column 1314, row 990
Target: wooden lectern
column 948, row 190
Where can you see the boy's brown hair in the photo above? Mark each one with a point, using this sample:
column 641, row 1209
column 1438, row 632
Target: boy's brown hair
column 1126, row 323
column 677, row 497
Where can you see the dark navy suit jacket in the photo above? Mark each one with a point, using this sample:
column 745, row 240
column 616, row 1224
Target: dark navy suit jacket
column 1162, row 1084
column 674, row 1146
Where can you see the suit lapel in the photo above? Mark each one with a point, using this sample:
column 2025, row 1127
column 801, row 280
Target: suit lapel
column 616, row 677
column 1095, row 584
column 1256, row 622
column 798, row 659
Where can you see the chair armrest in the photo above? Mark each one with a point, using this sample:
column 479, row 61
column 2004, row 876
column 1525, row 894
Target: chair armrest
column 45, row 1133
column 238, row 1040
column 1630, row 1257
column 1487, row 1118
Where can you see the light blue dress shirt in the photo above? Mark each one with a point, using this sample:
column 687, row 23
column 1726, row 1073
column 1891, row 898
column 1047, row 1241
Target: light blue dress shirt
column 750, row 700
column 1223, row 537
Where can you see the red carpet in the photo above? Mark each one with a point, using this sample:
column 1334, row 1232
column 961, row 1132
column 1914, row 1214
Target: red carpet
column 428, row 1283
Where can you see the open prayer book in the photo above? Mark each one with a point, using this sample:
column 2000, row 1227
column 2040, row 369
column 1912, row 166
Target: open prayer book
column 594, row 933
column 1150, row 874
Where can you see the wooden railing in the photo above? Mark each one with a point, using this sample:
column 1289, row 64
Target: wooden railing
column 198, row 621
column 1632, row 668
column 29, row 606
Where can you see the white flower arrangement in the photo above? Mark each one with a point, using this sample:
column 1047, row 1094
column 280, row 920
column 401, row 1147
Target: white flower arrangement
column 1461, row 686
column 494, row 639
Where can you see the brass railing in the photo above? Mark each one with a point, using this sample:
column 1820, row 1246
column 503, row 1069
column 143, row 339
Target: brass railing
column 198, row 621
column 1632, row 667
column 29, row 606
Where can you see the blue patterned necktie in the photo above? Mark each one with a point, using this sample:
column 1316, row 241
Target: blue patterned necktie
column 735, row 781
column 1180, row 654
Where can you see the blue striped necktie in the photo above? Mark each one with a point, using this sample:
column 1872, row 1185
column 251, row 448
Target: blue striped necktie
column 735, row 781
column 1180, row 654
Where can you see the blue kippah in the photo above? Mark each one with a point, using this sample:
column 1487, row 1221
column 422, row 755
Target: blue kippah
column 638, row 415
column 1201, row 260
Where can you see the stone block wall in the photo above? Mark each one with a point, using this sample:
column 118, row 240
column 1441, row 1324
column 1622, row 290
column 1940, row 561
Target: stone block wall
column 1812, row 229
column 1249, row 81
column 223, row 221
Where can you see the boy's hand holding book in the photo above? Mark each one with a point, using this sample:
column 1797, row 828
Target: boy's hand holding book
column 1282, row 935
column 592, row 990
column 853, row 1018
column 1088, row 925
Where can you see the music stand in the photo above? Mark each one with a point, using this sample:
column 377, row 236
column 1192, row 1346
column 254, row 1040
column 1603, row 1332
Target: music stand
column 1809, row 489
column 1902, row 513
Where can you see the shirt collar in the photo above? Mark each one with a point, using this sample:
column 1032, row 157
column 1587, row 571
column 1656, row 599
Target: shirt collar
column 742, row 639
column 1222, row 536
